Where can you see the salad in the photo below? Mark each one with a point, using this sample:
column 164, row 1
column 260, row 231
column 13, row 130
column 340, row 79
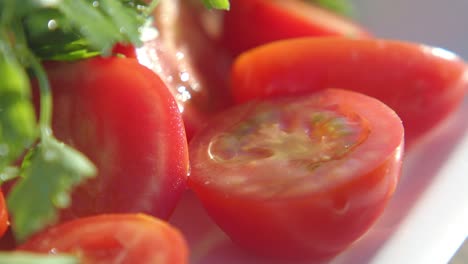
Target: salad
column 283, row 123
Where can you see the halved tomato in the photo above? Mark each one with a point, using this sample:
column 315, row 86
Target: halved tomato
column 251, row 23
column 300, row 177
column 422, row 84
column 123, row 239
column 121, row 116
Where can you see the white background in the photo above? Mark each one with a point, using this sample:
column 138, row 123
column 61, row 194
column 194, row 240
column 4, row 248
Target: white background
column 441, row 23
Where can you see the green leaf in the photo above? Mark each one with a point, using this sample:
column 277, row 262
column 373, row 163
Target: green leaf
column 125, row 19
column 17, row 118
column 49, row 173
column 217, row 4
column 342, row 7
column 36, row 258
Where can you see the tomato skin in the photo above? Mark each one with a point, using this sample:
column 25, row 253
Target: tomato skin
column 121, row 116
column 251, row 23
column 3, row 215
column 114, row 238
column 127, row 50
column 189, row 61
column 314, row 224
column 422, row 84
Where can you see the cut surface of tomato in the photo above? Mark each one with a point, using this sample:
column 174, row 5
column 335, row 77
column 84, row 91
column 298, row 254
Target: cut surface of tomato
column 422, row 84
column 298, row 177
column 121, row 116
column 251, row 23
column 114, row 238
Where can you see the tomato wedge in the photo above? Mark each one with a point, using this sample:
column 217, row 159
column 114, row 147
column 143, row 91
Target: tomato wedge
column 422, row 84
column 122, row 239
column 121, row 116
column 299, row 177
column 251, row 23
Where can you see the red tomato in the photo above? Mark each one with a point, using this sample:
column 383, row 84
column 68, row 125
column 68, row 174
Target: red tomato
column 127, row 50
column 122, row 239
column 186, row 57
column 3, row 215
column 121, row 116
column 422, row 84
column 250, row 23
column 298, row 177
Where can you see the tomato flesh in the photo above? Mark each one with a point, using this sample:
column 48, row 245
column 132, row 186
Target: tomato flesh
column 298, row 177
column 422, row 84
column 121, row 116
column 125, row 238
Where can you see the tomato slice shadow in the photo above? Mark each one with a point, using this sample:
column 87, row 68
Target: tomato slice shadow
column 209, row 245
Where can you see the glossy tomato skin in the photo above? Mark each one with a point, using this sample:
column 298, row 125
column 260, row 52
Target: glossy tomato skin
column 188, row 59
column 251, row 23
column 121, row 116
column 3, row 215
column 422, row 84
column 113, row 239
column 318, row 214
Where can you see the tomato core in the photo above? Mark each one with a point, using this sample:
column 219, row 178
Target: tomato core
column 298, row 135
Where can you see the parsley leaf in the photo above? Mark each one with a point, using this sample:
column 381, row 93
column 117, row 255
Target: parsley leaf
column 17, row 119
column 49, row 173
column 217, row 4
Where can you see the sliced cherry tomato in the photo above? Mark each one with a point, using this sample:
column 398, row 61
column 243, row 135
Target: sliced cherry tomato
column 422, row 84
column 298, row 177
column 121, row 116
column 122, row 239
column 250, row 23
column 3, row 215
column 186, row 57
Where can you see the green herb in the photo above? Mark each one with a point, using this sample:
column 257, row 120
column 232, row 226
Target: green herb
column 342, row 7
column 217, row 4
column 50, row 172
column 28, row 258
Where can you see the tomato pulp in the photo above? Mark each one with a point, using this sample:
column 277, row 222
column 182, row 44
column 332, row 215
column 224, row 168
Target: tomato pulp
column 298, row 177
column 121, row 116
column 123, row 239
column 422, row 84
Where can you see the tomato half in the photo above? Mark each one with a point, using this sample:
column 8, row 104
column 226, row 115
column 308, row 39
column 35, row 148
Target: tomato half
column 250, row 23
column 121, row 116
column 422, row 84
column 116, row 239
column 182, row 52
column 298, row 177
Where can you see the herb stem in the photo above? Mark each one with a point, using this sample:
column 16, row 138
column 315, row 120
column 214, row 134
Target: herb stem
column 45, row 114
